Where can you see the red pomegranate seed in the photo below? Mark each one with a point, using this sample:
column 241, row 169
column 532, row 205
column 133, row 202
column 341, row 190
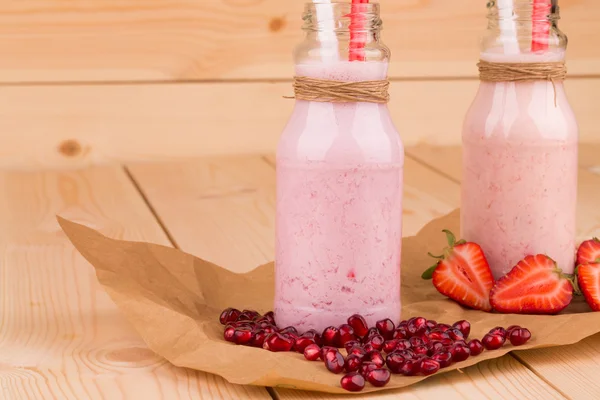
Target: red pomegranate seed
column 437, row 334
column 436, row 347
column 229, row 315
column 464, row 327
column 242, row 336
column 270, row 329
column 258, row 338
column 358, row 323
column 243, row 324
column 352, row 363
column 346, row 333
column 390, row 345
column 420, row 350
column 455, row 334
column 311, row 333
column 248, row 315
column 493, row 342
column 519, row 336
column 410, row 367
column 444, row 358
column 386, row 328
column 417, row 326
column 431, row 324
column 459, row 352
column 370, row 333
column 367, row 366
column 357, row 350
column 511, row 328
column 263, row 324
column 312, row 352
column 499, row 331
column 426, row 341
column 443, row 327
column 400, row 333
column 476, row 347
column 415, row 341
column 379, row 377
column 394, row 362
column 228, row 333
column 402, row 324
column 325, row 350
column 403, row 344
column 289, row 330
column 331, row 336
column 353, row 382
column 302, row 342
column 278, row 342
column 447, row 342
column 429, row 366
column 368, row 347
column 270, row 316
column 353, row 343
column 334, row 361
column 407, row 354
column 376, row 341
column 374, row 357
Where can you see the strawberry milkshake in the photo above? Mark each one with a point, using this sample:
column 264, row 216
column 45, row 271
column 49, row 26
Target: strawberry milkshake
column 339, row 207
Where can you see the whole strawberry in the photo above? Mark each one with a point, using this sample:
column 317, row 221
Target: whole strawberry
column 463, row 274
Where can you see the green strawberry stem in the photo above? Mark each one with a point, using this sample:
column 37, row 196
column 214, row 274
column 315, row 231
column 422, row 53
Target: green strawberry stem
column 428, row 274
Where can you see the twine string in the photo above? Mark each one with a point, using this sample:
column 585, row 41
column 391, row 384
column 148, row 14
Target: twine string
column 330, row 91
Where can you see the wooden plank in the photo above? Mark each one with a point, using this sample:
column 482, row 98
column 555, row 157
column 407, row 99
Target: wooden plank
column 61, row 337
column 572, row 369
column 74, row 126
column 166, row 40
column 230, row 202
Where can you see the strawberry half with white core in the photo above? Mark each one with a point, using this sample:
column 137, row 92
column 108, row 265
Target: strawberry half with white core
column 534, row 286
column 463, row 274
column 589, row 252
column 588, row 276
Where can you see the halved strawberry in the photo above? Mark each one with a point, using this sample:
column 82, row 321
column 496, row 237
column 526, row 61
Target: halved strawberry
column 588, row 252
column 588, row 276
column 534, row 286
column 463, row 274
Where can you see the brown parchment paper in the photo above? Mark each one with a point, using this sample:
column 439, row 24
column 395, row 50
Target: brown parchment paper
column 174, row 299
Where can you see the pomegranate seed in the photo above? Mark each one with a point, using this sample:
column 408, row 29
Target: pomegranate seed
column 379, row 377
column 437, row 334
column 425, row 339
column 402, row 324
column 228, row 333
column 366, row 367
column 519, row 336
column 429, row 366
column 447, row 342
column 415, row 341
column 476, row 347
column 331, row 336
column 417, row 326
column 357, row 350
column 270, row 329
column 243, row 324
column 352, row 363
column 258, row 338
column 358, row 323
column 377, row 342
column 278, row 342
column 443, row 327
column 229, row 315
column 499, row 331
column 242, row 336
column 289, row 330
column 311, row 333
column 493, row 342
column 346, row 333
column 353, row 382
column 374, row 357
column 455, row 334
column 334, row 361
column 370, row 333
column 436, row 347
column 420, row 350
column 325, row 350
column 459, row 352
column 312, row 352
column 390, row 345
column 368, row 347
column 353, row 343
column 386, row 328
column 431, row 324
column 394, row 362
column 407, row 354
column 511, row 328
column 403, row 344
column 400, row 333
column 302, row 342
column 248, row 315
column 263, row 324
column 410, row 368
column 443, row 358
column 270, row 316
column 464, row 327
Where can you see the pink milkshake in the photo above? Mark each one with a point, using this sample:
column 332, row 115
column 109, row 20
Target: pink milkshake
column 519, row 190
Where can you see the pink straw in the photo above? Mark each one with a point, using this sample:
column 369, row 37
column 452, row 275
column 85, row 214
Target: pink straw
column 541, row 25
column 358, row 40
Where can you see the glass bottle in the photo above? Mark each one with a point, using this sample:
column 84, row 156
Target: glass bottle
column 339, row 183
column 519, row 190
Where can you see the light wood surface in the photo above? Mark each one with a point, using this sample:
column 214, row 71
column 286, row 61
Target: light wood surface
column 61, row 337
column 80, row 125
column 219, row 209
column 166, row 40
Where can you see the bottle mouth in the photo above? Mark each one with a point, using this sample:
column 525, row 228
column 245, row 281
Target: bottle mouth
column 523, row 10
column 341, row 16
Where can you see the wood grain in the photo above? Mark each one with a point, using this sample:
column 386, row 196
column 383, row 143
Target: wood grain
column 74, row 126
column 167, row 40
column 61, row 337
column 222, row 209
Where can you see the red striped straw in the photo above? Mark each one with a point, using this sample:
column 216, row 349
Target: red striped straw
column 358, row 38
column 541, row 25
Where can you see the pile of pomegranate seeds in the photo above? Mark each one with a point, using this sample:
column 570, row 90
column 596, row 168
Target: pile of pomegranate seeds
column 414, row 347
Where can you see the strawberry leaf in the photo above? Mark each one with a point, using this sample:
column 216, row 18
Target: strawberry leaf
column 450, row 237
column 428, row 274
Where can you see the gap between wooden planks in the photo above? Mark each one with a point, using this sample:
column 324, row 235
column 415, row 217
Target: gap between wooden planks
column 61, row 337
column 573, row 369
column 222, row 209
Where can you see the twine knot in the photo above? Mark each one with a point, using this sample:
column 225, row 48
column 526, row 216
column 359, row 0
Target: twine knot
column 330, row 91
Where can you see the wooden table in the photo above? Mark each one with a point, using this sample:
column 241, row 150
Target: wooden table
column 61, row 337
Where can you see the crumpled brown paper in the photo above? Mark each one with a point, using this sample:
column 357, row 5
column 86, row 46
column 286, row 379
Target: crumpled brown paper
column 174, row 299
